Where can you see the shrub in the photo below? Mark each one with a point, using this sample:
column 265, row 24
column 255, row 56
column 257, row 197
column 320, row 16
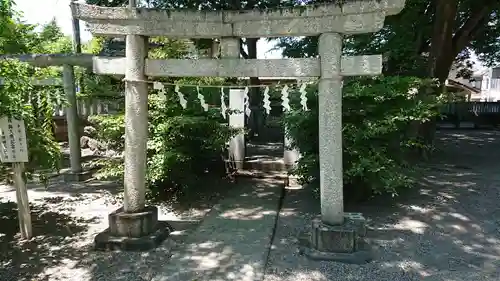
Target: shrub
column 377, row 113
column 19, row 98
column 182, row 143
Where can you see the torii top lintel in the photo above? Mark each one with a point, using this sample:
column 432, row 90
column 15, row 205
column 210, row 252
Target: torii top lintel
column 349, row 18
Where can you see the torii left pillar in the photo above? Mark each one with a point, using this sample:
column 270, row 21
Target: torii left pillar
column 75, row 172
column 135, row 226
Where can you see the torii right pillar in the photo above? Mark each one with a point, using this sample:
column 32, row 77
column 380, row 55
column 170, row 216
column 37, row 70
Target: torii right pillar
column 335, row 235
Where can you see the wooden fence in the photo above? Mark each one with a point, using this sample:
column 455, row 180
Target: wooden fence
column 470, row 115
column 88, row 108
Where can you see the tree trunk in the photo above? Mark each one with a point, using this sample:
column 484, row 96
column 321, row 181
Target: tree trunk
column 441, row 51
column 447, row 44
column 441, row 56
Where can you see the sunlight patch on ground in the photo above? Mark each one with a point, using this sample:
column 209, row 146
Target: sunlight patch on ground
column 414, row 226
column 420, row 210
column 459, row 216
column 246, row 214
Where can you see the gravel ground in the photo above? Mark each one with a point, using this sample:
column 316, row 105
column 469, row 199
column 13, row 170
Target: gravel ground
column 448, row 229
column 66, row 218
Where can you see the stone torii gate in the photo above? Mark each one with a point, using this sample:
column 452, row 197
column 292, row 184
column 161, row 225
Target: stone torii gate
column 335, row 234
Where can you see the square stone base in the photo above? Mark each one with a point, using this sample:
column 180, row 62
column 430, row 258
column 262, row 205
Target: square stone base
column 342, row 243
column 69, row 176
column 139, row 231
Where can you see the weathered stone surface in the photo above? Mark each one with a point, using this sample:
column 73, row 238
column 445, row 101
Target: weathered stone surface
column 343, row 243
column 358, row 257
column 133, row 231
column 104, row 241
column 356, row 221
column 297, row 67
column 70, row 176
column 330, row 128
column 123, row 224
column 136, row 129
column 84, row 142
column 356, row 17
column 95, row 145
column 89, row 131
column 45, row 60
column 95, row 13
column 73, row 120
column 337, row 238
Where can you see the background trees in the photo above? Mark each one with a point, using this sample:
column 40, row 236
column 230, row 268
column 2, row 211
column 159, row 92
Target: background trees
column 19, row 96
column 425, row 39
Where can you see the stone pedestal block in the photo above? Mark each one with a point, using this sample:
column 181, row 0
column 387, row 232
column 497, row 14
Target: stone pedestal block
column 133, row 231
column 342, row 243
column 133, row 224
column 69, row 176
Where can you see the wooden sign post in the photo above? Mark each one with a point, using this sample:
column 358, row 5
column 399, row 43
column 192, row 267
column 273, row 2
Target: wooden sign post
column 14, row 149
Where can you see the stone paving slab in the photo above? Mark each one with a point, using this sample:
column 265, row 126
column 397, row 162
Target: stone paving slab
column 233, row 241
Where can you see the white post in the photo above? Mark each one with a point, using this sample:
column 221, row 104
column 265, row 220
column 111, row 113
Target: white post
column 23, row 207
column 136, row 124
column 290, row 155
column 330, row 129
column 72, row 119
column 230, row 48
column 237, row 121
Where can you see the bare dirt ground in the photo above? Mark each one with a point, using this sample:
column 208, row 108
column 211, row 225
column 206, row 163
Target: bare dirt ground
column 66, row 218
column 446, row 229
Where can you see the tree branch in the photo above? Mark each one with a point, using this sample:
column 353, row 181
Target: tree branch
column 442, row 35
column 463, row 36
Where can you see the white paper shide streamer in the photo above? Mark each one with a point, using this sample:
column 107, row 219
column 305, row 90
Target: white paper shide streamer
column 161, row 90
column 267, row 102
column 284, row 98
column 248, row 111
column 223, row 107
column 303, row 97
column 182, row 100
column 202, row 99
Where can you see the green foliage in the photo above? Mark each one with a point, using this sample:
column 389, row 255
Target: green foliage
column 405, row 39
column 94, row 46
column 182, row 144
column 168, row 48
column 377, row 113
column 17, row 37
column 19, row 98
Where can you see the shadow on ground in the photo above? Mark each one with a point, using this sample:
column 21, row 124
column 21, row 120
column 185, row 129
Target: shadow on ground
column 446, row 228
column 68, row 216
column 55, row 236
column 231, row 243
